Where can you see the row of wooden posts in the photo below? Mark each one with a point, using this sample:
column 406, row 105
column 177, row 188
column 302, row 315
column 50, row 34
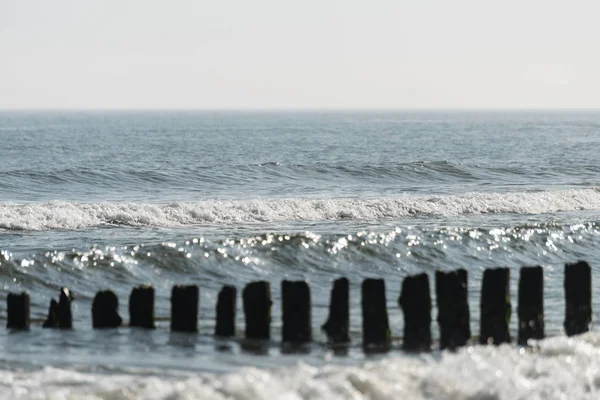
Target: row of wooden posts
column 415, row 301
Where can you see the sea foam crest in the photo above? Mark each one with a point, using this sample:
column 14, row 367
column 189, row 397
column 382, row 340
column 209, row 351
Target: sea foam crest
column 73, row 215
column 562, row 368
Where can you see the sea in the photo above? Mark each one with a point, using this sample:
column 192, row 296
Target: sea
column 96, row 200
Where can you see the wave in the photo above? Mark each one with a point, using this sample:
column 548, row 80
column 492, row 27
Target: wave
column 74, row 215
column 561, row 368
column 108, row 175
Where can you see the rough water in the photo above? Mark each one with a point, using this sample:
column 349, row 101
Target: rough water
column 97, row 200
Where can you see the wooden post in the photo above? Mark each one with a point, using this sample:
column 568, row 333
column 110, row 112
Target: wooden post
column 376, row 328
column 105, row 310
column 495, row 306
column 226, row 304
column 338, row 322
column 52, row 318
column 59, row 313
column 531, row 304
column 257, row 310
column 415, row 301
column 17, row 310
column 296, row 312
column 578, row 297
column 141, row 307
column 184, row 308
column 453, row 308
column 65, row 318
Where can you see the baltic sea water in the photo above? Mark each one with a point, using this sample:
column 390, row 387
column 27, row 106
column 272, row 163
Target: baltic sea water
column 113, row 199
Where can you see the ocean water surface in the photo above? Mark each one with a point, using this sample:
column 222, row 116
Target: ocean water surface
column 110, row 200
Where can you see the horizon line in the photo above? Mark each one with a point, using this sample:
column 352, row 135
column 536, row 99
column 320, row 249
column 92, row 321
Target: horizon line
column 299, row 109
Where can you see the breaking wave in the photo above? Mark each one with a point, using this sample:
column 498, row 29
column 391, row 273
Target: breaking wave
column 561, row 368
column 74, row 215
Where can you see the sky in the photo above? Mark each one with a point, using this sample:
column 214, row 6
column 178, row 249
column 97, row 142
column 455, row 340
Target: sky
column 306, row 54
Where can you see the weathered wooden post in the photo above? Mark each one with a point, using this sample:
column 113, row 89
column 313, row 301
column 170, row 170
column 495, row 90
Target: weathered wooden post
column 59, row 313
column 453, row 308
column 226, row 307
column 578, row 297
column 415, row 301
column 52, row 318
column 17, row 310
column 141, row 307
column 531, row 304
column 338, row 323
column 495, row 306
column 257, row 310
column 296, row 312
column 376, row 328
column 65, row 317
column 184, row 308
column 105, row 310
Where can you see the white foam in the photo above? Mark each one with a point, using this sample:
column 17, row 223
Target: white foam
column 562, row 369
column 73, row 215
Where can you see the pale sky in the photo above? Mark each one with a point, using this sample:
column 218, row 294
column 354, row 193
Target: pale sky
column 197, row 54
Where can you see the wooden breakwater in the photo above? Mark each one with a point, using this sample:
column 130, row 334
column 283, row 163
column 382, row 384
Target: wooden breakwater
column 453, row 314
